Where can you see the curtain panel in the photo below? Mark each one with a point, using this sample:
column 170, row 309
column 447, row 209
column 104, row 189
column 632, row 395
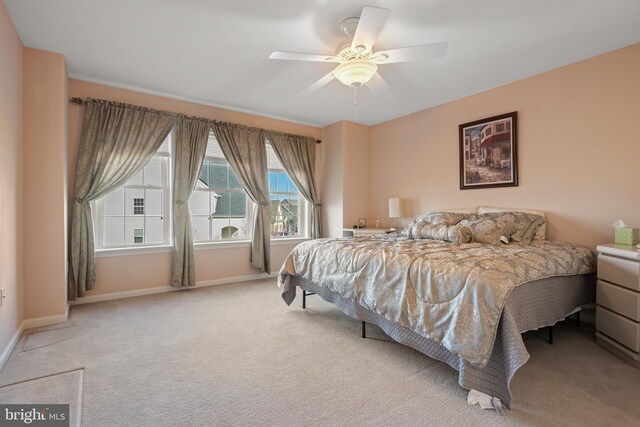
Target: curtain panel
column 191, row 145
column 298, row 157
column 246, row 152
column 117, row 141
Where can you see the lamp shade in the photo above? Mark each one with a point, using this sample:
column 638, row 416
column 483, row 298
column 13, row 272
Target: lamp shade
column 394, row 208
column 355, row 72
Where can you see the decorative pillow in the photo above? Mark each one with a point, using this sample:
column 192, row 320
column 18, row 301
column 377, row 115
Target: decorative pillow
column 445, row 218
column 459, row 234
column 503, row 226
column 453, row 233
column 487, row 228
column 540, row 233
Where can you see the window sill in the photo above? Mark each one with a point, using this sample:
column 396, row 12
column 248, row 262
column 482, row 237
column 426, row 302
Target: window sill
column 144, row 250
column 140, row 250
column 246, row 243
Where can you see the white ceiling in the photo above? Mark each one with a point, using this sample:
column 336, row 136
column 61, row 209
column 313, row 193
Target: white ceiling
column 215, row 51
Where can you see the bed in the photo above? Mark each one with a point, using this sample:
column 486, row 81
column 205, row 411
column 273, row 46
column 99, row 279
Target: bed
column 463, row 303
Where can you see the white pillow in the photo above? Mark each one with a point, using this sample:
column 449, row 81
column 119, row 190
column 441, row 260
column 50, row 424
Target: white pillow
column 542, row 231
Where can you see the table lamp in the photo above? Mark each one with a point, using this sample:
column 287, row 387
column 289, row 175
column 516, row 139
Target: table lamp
column 394, row 210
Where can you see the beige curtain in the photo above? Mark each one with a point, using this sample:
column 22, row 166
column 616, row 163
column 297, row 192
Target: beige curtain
column 117, row 142
column 191, row 144
column 246, row 152
column 298, row 156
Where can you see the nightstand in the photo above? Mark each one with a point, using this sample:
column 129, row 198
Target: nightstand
column 618, row 301
column 350, row 232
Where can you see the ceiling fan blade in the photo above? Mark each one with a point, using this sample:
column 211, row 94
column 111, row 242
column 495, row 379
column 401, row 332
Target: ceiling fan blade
column 317, row 85
column 377, row 85
column 412, row 53
column 292, row 56
column 371, row 22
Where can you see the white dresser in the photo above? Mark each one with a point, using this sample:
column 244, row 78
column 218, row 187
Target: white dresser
column 618, row 301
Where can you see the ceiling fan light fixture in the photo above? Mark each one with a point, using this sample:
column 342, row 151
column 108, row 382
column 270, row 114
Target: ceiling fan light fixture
column 355, row 72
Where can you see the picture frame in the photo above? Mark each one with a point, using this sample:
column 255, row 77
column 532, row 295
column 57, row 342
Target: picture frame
column 489, row 152
column 362, row 222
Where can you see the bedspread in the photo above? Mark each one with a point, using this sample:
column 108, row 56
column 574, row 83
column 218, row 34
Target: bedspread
column 453, row 294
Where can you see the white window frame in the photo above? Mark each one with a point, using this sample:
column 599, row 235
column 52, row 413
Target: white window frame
column 248, row 211
column 97, row 207
column 303, row 209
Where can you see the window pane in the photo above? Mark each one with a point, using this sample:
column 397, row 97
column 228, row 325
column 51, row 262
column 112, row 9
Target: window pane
column 113, row 231
column 217, row 224
column 282, row 182
column 291, row 186
column 164, row 148
column 203, row 177
column 153, row 202
column 238, row 205
column 153, row 172
column 239, row 225
column 200, row 226
column 131, row 223
column 272, row 181
column 234, row 182
column 199, row 203
column 218, row 176
column 131, row 194
column 153, row 229
column 114, row 203
column 220, row 212
column 136, row 180
column 222, row 205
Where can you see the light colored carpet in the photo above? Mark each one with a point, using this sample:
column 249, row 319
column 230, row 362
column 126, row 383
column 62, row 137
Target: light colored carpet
column 62, row 388
column 237, row 355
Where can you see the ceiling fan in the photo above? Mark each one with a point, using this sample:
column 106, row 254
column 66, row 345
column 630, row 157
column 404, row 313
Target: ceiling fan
column 358, row 62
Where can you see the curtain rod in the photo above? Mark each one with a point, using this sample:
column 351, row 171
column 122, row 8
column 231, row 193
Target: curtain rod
column 81, row 101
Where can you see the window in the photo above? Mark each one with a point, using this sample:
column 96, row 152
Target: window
column 138, row 206
column 500, row 127
column 218, row 203
column 136, row 213
column 288, row 206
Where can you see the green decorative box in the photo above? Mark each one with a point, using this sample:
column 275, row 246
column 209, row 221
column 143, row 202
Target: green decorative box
column 626, row 236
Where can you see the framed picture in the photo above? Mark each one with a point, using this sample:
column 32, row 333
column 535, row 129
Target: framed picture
column 362, row 222
column 489, row 152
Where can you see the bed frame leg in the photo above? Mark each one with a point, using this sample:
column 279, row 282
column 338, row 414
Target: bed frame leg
column 578, row 319
column 550, row 335
column 304, row 299
column 364, row 329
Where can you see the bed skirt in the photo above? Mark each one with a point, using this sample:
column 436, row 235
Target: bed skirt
column 530, row 306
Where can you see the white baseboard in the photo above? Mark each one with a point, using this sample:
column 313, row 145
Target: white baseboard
column 12, row 344
column 46, row 321
column 29, row 324
column 163, row 289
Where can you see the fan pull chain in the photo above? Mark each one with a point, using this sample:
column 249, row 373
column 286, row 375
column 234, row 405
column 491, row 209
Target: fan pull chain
column 355, row 103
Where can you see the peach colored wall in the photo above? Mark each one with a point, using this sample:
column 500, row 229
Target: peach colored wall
column 578, row 149
column 44, row 177
column 330, row 179
column 134, row 272
column 344, row 181
column 356, row 174
column 11, row 313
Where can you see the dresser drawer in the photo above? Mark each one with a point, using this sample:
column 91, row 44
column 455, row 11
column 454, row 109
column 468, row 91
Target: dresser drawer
column 620, row 271
column 618, row 299
column 621, row 329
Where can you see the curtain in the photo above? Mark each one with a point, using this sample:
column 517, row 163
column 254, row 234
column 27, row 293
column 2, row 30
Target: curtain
column 191, row 144
column 247, row 154
column 117, row 141
column 298, row 156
